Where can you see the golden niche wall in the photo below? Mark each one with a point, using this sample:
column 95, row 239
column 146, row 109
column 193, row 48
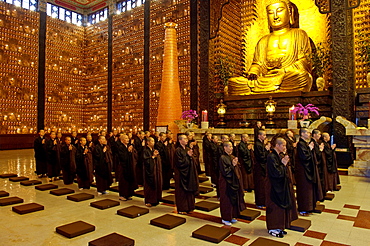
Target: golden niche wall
column 160, row 11
column 128, row 69
column 361, row 23
column 18, row 67
column 64, row 76
column 96, row 62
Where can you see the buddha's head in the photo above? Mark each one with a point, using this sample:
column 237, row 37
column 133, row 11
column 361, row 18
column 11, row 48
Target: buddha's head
column 279, row 14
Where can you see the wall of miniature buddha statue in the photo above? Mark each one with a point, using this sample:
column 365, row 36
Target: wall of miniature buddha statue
column 18, row 67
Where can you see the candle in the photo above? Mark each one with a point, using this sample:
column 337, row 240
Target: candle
column 292, row 115
column 204, row 116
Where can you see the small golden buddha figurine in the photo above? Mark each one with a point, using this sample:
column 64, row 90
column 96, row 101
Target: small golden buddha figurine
column 282, row 59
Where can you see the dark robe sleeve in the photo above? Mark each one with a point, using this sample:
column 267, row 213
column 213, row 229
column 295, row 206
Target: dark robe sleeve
column 187, row 170
column 227, row 171
column 279, row 181
column 245, row 157
column 305, row 159
column 260, row 154
column 329, row 156
column 149, row 167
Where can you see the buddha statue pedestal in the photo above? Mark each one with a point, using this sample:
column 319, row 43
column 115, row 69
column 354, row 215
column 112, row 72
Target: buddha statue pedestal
column 253, row 106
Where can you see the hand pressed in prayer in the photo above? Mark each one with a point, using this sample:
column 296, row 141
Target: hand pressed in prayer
column 143, row 143
column 190, row 152
column 76, row 142
column 105, row 149
column 86, row 150
column 235, row 161
column 268, row 146
column 321, row 146
column 333, row 146
column 165, row 143
column 130, row 148
column 285, row 160
column 70, row 147
column 55, row 142
column 156, row 152
column 43, row 141
column 311, row 145
column 294, row 145
column 90, row 145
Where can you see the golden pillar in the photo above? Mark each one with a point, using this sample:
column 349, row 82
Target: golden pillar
column 169, row 108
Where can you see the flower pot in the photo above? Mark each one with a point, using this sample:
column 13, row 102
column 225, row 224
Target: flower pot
column 304, row 123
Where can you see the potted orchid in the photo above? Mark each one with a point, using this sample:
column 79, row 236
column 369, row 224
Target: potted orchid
column 189, row 116
column 304, row 112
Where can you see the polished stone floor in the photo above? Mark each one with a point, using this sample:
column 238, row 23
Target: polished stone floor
column 345, row 221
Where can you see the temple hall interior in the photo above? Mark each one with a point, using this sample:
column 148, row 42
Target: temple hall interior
column 235, row 89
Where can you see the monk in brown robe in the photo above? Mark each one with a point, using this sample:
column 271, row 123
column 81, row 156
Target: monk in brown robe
column 330, row 160
column 125, row 168
column 139, row 144
column 68, row 161
column 245, row 159
column 213, row 150
column 53, row 158
column 161, row 146
column 193, row 144
column 171, row 151
column 206, row 152
column 280, row 201
column 40, row 154
column 230, row 186
column 84, row 165
column 261, row 150
column 102, row 159
column 186, row 177
column 291, row 148
column 317, row 157
column 152, row 174
column 305, row 174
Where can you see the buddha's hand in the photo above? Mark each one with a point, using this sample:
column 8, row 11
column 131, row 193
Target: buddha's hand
column 251, row 76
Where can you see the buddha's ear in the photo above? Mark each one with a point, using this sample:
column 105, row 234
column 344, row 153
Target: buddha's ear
column 292, row 14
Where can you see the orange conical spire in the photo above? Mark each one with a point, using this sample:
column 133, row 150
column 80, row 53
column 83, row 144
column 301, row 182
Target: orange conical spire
column 169, row 108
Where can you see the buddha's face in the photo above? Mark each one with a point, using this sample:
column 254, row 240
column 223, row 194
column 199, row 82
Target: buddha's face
column 278, row 15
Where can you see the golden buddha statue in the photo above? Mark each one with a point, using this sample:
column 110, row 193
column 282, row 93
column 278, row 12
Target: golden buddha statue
column 282, row 59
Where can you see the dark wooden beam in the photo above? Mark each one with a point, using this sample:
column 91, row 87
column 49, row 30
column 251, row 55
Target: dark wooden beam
column 194, row 88
column 41, row 73
column 146, row 113
column 110, row 71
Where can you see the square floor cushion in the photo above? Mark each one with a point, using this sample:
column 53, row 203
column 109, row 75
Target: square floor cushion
column 206, row 206
column 211, row 233
column 114, row 189
column 31, row 182
column 18, row 179
column 261, row 241
column 62, row 191
column 168, row 221
column 204, row 190
column 27, row 208
column 168, row 199
column 249, row 214
column 319, row 208
column 46, row 187
column 75, row 229
column 329, row 196
column 80, row 197
column 139, row 193
column 8, row 175
column 10, row 200
column 132, row 211
column 104, row 204
column 300, row 225
column 3, row 193
column 113, row 239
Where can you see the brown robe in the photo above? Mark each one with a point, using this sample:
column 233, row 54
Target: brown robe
column 281, row 208
column 331, row 169
column 125, row 170
column 292, row 152
column 40, row 156
column 186, row 180
column 231, row 189
column 206, row 155
column 214, row 163
column 152, row 177
column 68, row 163
column 139, row 172
column 319, row 169
column 259, row 172
column 166, row 164
column 245, row 157
column 53, row 158
column 84, row 167
column 102, row 165
column 306, row 178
